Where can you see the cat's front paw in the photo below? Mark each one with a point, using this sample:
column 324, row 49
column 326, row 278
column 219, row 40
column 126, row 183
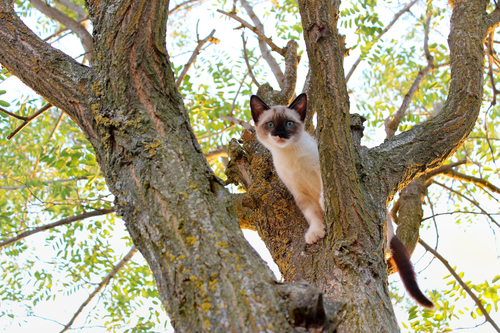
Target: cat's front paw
column 314, row 234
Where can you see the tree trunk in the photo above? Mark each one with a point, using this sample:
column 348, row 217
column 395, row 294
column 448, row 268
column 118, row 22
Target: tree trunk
column 182, row 218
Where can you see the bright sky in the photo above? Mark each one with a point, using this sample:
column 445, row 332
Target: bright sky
column 472, row 249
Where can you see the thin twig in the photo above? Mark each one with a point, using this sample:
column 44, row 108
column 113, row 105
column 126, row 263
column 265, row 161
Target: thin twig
column 437, row 232
column 192, row 58
column 245, row 55
column 179, row 6
column 430, row 59
column 238, row 121
column 482, row 137
column 458, row 212
column 259, row 33
column 462, row 284
column 395, row 18
column 215, row 134
column 241, row 86
column 56, row 126
column 13, row 114
column 76, row 27
column 470, row 179
column 392, row 125
column 101, row 285
column 27, row 120
column 472, row 201
column 55, row 34
column 56, row 224
column 47, row 182
column 266, row 54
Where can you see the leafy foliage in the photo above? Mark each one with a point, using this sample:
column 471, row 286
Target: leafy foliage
column 49, row 171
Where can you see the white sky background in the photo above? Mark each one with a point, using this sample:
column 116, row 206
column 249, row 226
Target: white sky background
column 472, row 249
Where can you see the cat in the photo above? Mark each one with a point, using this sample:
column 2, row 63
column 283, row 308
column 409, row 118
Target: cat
column 295, row 156
column 296, row 160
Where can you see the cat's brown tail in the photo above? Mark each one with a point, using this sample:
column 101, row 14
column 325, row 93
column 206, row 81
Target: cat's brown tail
column 401, row 259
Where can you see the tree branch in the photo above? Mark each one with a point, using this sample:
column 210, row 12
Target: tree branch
column 483, row 183
column 179, row 6
column 458, row 212
column 192, row 58
column 56, row 126
column 57, row 33
column 464, row 286
column 394, row 20
column 214, row 134
column 438, row 138
column 48, row 182
column 273, row 65
column 240, row 122
column 27, row 120
column 472, row 201
column 257, row 31
column 216, row 153
column 492, row 21
column 46, row 70
column 391, row 126
column 67, row 21
column 287, row 92
column 444, row 168
column 245, row 55
column 80, row 12
column 68, row 220
column 101, row 285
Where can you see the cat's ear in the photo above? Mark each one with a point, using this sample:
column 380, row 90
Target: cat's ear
column 300, row 105
column 257, row 106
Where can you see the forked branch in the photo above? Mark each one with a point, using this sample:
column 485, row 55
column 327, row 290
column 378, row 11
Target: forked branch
column 27, row 120
column 258, row 32
column 266, row 54
column 437, row 139
column 192, row 58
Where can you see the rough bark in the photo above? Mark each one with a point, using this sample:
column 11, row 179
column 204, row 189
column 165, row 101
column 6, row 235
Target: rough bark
column 179, row 214
column 358, row 181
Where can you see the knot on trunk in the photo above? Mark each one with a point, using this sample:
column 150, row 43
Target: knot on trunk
column 307, row 310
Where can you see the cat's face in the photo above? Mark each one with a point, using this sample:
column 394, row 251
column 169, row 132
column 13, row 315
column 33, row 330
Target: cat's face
column 278, row 126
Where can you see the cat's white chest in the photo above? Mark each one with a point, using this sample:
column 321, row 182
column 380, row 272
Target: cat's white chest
column 299, row 167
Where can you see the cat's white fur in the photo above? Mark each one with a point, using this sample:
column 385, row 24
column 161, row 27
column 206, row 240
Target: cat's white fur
column 296, row 161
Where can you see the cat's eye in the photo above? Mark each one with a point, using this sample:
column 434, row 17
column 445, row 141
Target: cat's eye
column 270, row 124
column 289, row 123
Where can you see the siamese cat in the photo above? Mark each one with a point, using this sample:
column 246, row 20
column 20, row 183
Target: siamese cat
column 295, row 155
column 296, row 160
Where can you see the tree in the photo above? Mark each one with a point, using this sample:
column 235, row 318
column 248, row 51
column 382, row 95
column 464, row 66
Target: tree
column 140, row 125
